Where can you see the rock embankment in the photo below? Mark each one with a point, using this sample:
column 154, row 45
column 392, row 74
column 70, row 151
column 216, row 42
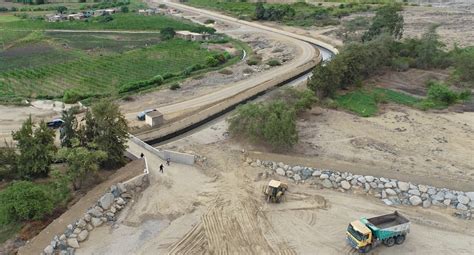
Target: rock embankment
column 105, row 211
column 392, row 192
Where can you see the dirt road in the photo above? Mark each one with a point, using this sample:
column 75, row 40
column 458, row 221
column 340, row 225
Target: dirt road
column 218, row 209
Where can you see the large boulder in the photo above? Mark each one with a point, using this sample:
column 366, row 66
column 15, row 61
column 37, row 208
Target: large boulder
column 324, row 176
column 106, row 200
column 461, row 207
column 327, row 183
column 362, row 179
column 414, row 192
column 306, row 173
column 297, row 168
column 316, row 173
column 415, row 200
column 403, row 186
column 83, row 235
column 463, row 199
column 426, row 203
column 423, row 188
column 48, row 250
column 470, row 195
column 96, row 222
column 95, row 212
column 369, row 178
column 81, row 223
column 280, row 171
column 297, row 177
column 345, row 185
column 289, row 173
column 73, row 243
column 390, row 192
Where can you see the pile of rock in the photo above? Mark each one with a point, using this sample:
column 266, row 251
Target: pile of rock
column 104, row 211
column 391, row 191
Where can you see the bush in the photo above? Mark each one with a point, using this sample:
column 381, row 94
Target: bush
column 226, row 71
column 209, row 21
column 124, row 9
column 440, row 93
column 24, row 200
column 401, row 64
column 167, row 76
column 167, row 33
column 157, row 80
column 253, row 61
column 71, row 97
column 212, row 61
column 175, row 86
column 273, row 62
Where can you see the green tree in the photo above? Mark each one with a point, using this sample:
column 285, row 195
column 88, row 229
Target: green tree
column 387, row 20
column 429, row 53
column 69, row 129
column 8, row 161
column 106, row 128
column 24, row 200
column 326, row 79
column 167, row 33
column 124, row 9
column 464, row 64
column 259, row 11
column 36, row 149
column 81, row 163
column 61, row 9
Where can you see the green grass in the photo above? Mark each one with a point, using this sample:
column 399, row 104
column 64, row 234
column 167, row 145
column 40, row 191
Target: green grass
column 364, row 102
column 9, row 231
column 306, row 14
column 122, row 21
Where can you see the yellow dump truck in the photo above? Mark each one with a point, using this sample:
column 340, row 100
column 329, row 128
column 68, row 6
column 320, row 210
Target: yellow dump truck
column 366, row 234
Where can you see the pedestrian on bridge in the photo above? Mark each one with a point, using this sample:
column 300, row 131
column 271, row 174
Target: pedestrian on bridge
column 161, row 168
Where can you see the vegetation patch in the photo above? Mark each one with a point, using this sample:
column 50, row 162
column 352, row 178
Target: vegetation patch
column 296, row 14
column 272, row 123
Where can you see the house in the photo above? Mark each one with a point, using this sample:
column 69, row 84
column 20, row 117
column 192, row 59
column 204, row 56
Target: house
column 148, row 12
column 191, row 36
column 173, row 11
column 55, row 17
column 76, row 16
column 154, row 118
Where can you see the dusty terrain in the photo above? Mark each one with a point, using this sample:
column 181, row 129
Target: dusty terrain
column 218, row 208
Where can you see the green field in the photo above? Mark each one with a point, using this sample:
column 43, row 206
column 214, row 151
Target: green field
column 364, row 102
column 99, row 75
column 122, row 21
column 305, row 14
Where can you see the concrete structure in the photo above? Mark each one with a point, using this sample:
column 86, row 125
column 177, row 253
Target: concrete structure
column 154, row 118
column 191, row 36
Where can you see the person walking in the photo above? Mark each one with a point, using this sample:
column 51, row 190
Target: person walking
column 161, row 168
column 168, row 161
column 142, row 155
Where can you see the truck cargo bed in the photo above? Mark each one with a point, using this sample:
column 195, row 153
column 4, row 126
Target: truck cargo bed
column 388, row 220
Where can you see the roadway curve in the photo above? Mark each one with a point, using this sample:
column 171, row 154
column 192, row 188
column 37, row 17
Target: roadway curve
column 197, row 109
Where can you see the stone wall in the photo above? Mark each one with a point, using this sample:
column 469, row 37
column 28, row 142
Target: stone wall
column 105, row 211
column 390, row 191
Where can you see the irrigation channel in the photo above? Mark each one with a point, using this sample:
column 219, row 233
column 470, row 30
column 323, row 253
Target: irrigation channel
column 326, row 55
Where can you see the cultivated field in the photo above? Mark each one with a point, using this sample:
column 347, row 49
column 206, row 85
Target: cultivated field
column 39, row 63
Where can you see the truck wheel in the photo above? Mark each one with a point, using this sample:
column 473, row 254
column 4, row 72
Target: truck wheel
column 390, row 242
column 366, row 249
column 400, row 239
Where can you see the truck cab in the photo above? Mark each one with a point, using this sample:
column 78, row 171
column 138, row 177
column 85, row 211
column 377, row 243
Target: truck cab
column 365, row 234
column 359, row 236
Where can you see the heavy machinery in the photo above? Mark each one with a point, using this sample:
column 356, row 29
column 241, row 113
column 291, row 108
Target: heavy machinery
column 274, row 191
column 366, row 234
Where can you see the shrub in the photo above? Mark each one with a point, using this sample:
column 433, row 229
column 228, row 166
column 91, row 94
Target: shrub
column 157, row 80
column 24, row 200
column 167, row 33
column 175, row 86
column 167, row 76
column 401, row 64
column 440, row 93
column 124, row 9
column 212, row 61
column 226, row 71
column 71, row 97
column 254, row 60
column 209, row 21
column 273, row 62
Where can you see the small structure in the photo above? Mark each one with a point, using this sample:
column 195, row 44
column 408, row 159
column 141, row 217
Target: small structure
column 55, row 17
column 148, row 12
column 102, row 12
column 154, row 118
column 191, row 36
